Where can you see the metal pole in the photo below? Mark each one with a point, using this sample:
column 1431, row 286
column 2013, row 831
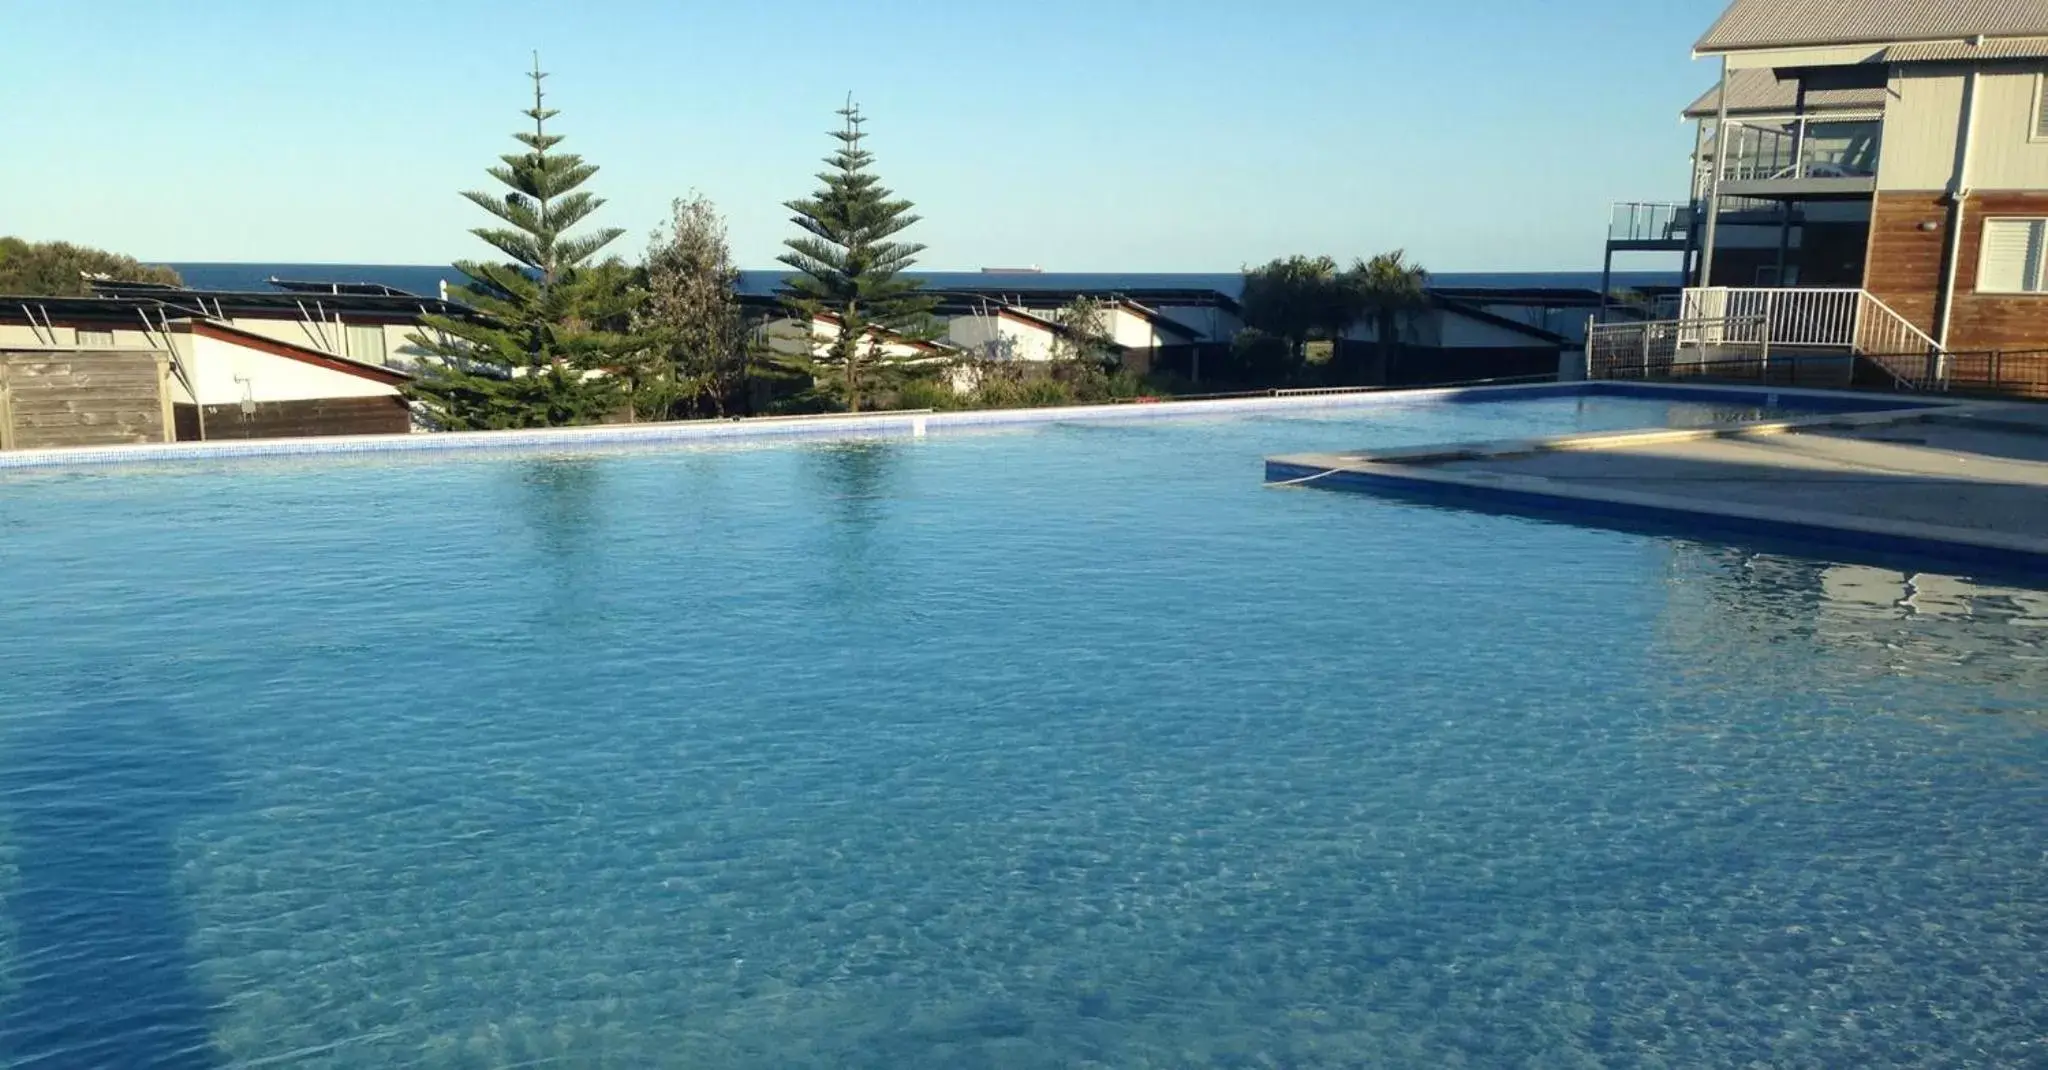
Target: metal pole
column 1764, row 350
column 1784, row 239
column 6, row 410
column 1686, row 264
column 1959, row 194
column 1714, row 181
column 1586, row 369
column 1606, row 275
column 1799, row 134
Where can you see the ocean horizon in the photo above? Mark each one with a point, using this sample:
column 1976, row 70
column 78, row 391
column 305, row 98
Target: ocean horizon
column 426, row 279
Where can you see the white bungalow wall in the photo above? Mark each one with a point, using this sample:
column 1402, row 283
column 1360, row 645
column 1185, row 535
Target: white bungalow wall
column 1449, row 330
column 996, row 335
column 790, row 336
column 225, row 373
column 1211, row 324
column 291, row 330
column 381, row 343
column 1133, row 331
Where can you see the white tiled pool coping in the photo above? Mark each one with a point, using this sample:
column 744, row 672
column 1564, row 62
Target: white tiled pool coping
column 912, row 424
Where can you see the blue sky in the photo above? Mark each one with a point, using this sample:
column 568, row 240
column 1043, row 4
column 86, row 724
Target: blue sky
column 1136, row 135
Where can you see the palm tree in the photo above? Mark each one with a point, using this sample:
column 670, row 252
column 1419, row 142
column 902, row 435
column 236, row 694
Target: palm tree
column 1387, row 289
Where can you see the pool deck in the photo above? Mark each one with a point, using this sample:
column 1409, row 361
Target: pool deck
column 1961, row 483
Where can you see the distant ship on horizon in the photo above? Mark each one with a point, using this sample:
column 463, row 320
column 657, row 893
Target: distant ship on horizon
column 1032, row 270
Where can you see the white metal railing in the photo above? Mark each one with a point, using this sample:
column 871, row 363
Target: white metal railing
column 1659, row 349
column 1853, row 320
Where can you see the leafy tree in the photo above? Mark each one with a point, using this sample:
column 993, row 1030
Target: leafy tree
column 1084, row 333
column 849, row 268
column 1387, row 289
column 1296, row 299
column 692, row 315
column 551, row 345
column 61, row 269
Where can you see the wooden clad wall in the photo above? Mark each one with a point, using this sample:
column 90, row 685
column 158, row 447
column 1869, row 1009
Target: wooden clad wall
column 1996, row 321
column 1904, row 265
column 297, row 419
column 83, row 397
column 1904, row 269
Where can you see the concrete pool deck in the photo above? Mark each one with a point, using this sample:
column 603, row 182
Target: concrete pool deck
column 1959, row 483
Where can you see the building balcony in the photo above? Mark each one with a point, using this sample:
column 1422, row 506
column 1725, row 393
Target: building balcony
column 1636, row 226
column 1809, row 158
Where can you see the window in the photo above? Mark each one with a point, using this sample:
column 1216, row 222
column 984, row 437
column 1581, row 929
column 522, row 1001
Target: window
column 2011, row 262
column 87, row 336
column 2041, row 106
column 366, row 343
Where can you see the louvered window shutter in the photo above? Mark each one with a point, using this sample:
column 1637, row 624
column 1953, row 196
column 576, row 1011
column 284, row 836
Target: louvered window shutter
column 2011, row 260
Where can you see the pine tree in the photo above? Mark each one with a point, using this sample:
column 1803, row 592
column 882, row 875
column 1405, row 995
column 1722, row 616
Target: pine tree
column 849, row 269
column 554, row 327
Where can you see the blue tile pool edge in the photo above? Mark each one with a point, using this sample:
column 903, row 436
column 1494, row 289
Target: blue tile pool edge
column 917, row 424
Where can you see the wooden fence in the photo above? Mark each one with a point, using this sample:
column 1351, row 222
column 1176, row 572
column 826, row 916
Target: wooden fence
column 83, row 397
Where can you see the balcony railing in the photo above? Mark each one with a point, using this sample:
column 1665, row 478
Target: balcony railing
column 1636, row 221
column 1801, row 148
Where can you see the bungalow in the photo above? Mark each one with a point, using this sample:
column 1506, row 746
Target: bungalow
column 1003, row 332
column 789, row 335
column 1456, row 340
column 1144, row 336
column 240, row 384
column 366, row 322
column 229, row 374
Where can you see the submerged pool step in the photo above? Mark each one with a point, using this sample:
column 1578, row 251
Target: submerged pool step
column 1971, row 488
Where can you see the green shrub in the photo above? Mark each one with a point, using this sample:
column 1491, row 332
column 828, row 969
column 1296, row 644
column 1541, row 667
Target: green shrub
column 1044, row 393
column 927, row 394
column 1263, row 359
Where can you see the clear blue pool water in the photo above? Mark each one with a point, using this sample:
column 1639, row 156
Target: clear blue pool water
column 1067, row 747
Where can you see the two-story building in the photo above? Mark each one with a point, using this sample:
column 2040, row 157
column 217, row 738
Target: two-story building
column 1869, row 176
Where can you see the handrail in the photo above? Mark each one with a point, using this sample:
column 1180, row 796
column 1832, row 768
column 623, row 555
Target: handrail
column 1844, row 318
column 1911, row 329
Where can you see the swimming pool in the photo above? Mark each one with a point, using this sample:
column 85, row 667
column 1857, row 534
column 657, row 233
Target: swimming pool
column 1064, row 746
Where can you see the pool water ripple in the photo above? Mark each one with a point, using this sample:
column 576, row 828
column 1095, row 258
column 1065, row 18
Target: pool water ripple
column 1058, row 748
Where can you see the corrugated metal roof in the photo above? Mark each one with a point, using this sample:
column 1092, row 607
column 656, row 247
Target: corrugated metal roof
column 2010, row 48
column 1751, row 24
column 1751, row 92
